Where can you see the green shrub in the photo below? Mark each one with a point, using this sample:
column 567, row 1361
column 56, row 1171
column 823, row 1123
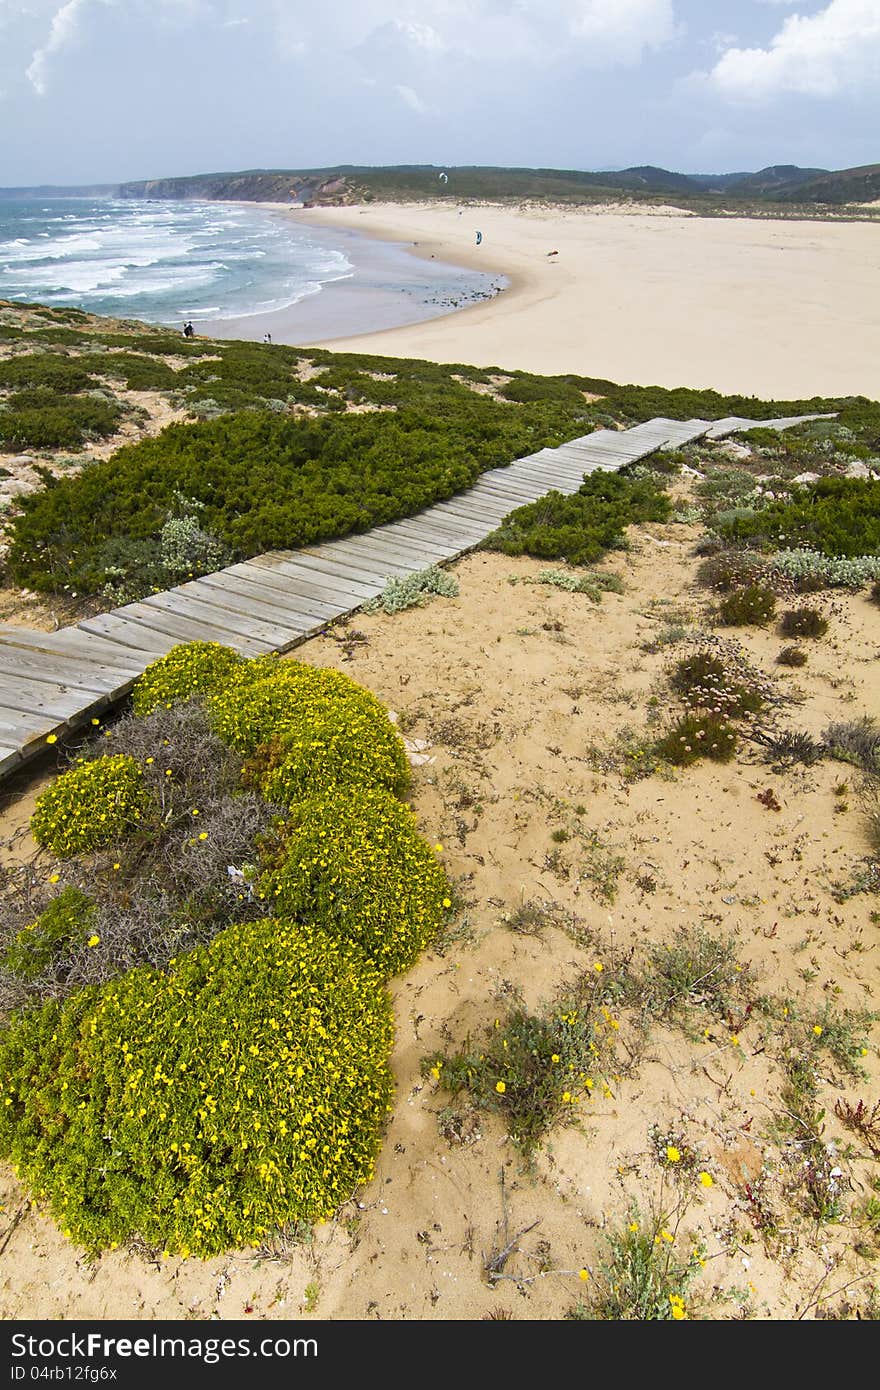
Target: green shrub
column 62, row 375
column 201, row 1108
column 837, row 516
column 194, row 668
column 792, row 656
column 38, row 419
column 353, row 863
column 342, row 738
column 803, row 622
column 64, row 922
column 582, row 527
column 91, row 805
column 413, row 590
column 696, row 736
column 754, row 605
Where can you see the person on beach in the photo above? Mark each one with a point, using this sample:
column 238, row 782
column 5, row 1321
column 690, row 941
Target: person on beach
column 188, row 330
column 267, row 337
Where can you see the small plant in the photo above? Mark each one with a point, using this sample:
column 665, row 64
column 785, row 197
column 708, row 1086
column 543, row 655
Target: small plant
column 863, row 1120
column 786, row 746
column 803, row 622
column 644, row 1277
column 92, row 805
column 730, row 569
column 699, row 971
column 413, row 590
column 717, row 683
column 792, row 656
column 855, row 741
column 752, row 606
column 696, row 736
column 535, row 1069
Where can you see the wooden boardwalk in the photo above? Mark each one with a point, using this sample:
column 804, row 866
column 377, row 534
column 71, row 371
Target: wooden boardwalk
column 55, row 683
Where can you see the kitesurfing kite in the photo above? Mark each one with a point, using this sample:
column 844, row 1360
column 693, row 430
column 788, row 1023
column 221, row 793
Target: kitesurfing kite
column 479, row 237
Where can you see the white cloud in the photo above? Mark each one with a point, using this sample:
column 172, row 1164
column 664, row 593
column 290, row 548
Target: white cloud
column 834, row 51
column 63, row 33
column 411, row 98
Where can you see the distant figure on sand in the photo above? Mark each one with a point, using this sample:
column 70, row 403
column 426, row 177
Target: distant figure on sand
column 188, row 330
column 267, row 337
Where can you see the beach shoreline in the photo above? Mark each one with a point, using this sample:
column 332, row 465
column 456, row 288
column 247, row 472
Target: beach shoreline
column 770, row 308
column 390, row 286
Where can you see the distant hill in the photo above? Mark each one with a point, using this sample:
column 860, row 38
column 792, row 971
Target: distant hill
column 51, row 190
column 767, row 181
column 860, row 185
column 784, row 185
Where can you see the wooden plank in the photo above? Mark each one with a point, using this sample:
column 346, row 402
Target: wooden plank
column 57, row 702
column 370, row 545
column 453, row 535
column 386, row 567
column 10, row 759
column 342, row 577
column 22, row 729
column 136, row 628
column 212, row 618
column 277, row 596
column 248, row 603
column 18, row 663
column 300, row 583
column 70, row 642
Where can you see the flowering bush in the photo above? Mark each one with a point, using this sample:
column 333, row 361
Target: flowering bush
column 354, row 863
column 92, row 805
column 193, row 668
column 311, row 727
column 201, row 1107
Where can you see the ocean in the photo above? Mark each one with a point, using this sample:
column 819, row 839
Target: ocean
column 167, row 262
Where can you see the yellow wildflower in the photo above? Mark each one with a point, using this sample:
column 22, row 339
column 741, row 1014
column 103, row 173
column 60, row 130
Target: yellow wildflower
column 706, row 1179
column 672, row 1153
column 500, row 1087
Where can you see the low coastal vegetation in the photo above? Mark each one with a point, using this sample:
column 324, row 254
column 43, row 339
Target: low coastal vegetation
column 196, row 1027
column 277, row 446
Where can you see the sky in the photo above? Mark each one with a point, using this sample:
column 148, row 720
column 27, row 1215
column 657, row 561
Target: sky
column 102, row 91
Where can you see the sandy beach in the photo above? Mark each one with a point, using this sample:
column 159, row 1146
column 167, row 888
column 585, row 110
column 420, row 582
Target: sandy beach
column 759, row 307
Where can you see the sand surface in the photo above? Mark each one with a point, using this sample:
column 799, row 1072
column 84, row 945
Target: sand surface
column 523, row 696
column 760, row 307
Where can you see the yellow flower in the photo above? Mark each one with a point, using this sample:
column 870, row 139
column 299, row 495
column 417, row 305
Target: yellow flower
column 500, row 1087
column 633, row 1226
column 672, row 1153
column 734, row 1038
column 584, row 1274
column 438, row 848
column 598, row 967
column 117, row 866
column 51, row 738
column 435, row 1072
column 93, row 940
column 96, row 722
column 677, row 1307
column 53, row 878
column 203, row 835
column 667, row 1235
column 817, row 1029
column 706, row 1179
column 555, row 1057
column 566, row 1096
column 447, row 902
